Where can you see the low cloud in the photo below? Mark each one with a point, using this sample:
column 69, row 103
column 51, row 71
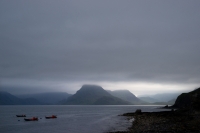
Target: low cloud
column 65, row 44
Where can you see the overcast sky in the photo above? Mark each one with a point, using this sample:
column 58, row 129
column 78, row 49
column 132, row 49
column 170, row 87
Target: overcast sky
column 143, row 46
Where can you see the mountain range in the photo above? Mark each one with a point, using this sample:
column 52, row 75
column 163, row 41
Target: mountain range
column 86, row 95
column 96, row 95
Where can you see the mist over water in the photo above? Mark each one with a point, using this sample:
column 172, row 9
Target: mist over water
column 71, row 119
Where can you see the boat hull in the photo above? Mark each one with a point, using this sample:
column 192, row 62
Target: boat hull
column 51, row 117
column 21, row 115
column 31, row 119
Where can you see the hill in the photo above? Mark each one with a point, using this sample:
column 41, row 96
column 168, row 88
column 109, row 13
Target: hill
column 93, row 95
column 47, row 98
column 126, row 95
column 9, row 99
column 188, row 100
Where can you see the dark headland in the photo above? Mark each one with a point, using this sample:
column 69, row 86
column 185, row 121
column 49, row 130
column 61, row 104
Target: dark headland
column 182, row 117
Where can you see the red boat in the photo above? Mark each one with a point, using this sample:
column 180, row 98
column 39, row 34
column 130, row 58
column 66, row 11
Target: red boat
column 51, row 117
column 21, row 115
column 31, row 119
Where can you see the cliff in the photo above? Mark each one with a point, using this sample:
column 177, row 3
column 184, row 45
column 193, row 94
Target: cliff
column 188, row 100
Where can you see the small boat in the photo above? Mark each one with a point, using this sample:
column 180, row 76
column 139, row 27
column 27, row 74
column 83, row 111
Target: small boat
column 21, row 115
column 51, row 117
column 31, row 119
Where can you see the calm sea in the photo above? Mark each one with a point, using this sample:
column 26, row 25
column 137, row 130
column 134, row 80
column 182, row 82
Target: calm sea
column 71, row 119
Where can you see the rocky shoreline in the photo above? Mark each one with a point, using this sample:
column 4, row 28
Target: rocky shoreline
column 179, row 121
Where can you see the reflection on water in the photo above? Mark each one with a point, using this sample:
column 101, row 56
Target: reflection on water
column 71, row 119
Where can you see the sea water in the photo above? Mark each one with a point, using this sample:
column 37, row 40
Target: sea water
column 71, row 118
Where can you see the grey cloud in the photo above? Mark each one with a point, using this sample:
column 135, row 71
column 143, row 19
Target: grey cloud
column 154, row 41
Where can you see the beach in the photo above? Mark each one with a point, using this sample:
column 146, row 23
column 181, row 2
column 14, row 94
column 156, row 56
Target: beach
column 183, row 121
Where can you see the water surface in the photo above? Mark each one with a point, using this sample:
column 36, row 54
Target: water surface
column 71, row 119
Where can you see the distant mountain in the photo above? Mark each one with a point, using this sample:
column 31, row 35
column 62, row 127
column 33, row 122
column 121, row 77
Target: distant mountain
column 153, row 101
column 126, row 95
column 93, row 95
column 163, row 97
column 170, row 102
column 189, row 100
column 9, row 99
column 148, row 99
column 47, row 98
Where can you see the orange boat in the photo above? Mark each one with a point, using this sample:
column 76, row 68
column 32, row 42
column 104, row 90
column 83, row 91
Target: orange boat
column 31, row 119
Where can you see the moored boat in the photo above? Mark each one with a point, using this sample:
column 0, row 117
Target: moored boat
column 31, row 119
column 21, row 115
column 51, row 117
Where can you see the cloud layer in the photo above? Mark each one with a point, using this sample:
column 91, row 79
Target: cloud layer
column 48, row 42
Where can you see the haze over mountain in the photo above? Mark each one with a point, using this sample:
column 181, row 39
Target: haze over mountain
column 48, row 97
column 162, row 97
column 126, row 95
column 9, row 99
column 148, row 99
column 93, row 95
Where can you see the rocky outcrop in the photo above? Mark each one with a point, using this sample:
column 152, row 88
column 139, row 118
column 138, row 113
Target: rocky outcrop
column 188, row 100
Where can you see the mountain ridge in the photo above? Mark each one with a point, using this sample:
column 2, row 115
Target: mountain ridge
column 126, row 95
column 93, row 95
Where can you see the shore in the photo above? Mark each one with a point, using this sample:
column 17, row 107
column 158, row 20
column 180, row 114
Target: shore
column 179, row 121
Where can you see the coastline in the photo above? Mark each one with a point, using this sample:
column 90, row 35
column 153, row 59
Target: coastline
column 184, row 121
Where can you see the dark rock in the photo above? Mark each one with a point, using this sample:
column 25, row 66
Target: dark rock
column 138, row 111
column 189, row 100
column 166, row 106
